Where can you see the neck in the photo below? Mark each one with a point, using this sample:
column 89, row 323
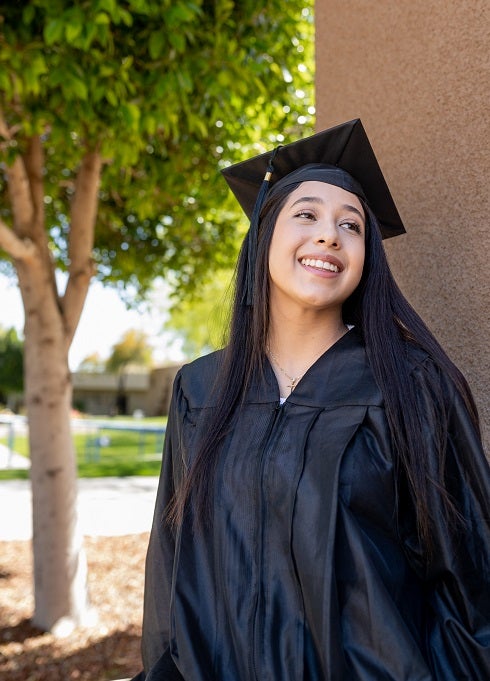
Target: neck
column 296, row 342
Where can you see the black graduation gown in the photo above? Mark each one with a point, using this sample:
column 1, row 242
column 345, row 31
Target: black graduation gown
column 311, row 571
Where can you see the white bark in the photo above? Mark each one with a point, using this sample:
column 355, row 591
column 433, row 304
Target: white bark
column 18, row 249
column 81, row 241
column 60, row 570
column 60, row 589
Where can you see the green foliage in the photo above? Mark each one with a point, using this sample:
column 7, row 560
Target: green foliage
column 92, row 364
column 132, row 349
column 201, row 321
column 11, row 363
column 169, row 91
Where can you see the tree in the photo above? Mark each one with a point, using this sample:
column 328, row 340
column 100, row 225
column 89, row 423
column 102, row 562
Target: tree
column 92, row 364
column 114, row 116
column 11, row 363
column 132, row 350
column 201, row 320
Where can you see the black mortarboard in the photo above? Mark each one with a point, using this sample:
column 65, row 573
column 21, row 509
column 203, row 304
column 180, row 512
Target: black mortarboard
column 341, row 156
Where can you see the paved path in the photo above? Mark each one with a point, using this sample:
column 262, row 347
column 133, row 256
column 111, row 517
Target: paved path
column 106, row 506
column 10, row 459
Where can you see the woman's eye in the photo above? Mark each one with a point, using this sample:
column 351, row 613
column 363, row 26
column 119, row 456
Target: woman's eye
column 305, row 215
column 352, row 226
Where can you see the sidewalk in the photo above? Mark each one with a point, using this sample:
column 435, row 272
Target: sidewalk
column 9, row 459
column 106, row 506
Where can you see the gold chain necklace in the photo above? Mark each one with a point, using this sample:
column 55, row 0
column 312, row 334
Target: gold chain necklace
column 294, row 381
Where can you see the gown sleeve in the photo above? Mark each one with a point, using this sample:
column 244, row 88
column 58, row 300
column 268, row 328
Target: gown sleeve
column 456, row 575
column 161, row 548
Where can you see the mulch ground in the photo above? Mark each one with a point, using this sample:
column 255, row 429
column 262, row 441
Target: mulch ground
column 109, row 650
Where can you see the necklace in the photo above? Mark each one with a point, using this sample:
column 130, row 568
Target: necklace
column 294, row 381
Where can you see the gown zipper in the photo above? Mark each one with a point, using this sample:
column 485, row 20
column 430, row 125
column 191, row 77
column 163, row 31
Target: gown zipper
column 269, row 441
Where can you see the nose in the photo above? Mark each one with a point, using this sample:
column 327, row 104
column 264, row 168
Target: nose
column 327, row 235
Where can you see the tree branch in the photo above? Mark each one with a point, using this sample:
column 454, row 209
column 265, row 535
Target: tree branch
column 84, row 210
column 4, row 129
column 20, row 198
column 19, row 190
column 81, row 240
column 34, row 162
column 17, row 248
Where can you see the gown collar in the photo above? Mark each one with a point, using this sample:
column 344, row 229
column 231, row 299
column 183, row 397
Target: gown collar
column 341, row 376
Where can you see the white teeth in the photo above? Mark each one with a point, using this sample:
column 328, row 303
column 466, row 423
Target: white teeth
column 320, row 264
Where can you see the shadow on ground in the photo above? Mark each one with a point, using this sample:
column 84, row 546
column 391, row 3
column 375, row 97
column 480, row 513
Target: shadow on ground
column 27, row 658
column 106, row 651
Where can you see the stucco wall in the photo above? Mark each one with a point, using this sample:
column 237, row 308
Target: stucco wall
column 418, row 75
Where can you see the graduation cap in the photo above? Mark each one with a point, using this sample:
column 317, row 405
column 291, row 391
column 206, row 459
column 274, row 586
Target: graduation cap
column 341, row 156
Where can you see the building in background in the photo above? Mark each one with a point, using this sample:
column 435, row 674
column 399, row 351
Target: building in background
column 144, row 392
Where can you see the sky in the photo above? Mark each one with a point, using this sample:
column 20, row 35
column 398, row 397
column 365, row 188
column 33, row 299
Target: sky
column 104, row 321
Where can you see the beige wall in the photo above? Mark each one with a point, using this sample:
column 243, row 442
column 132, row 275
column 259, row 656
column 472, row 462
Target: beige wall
column 149, row 392
column 417, row 72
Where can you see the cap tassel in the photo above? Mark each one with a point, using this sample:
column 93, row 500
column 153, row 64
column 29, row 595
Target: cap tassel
column 254, row 230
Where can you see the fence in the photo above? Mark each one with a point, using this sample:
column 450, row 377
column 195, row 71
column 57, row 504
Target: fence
column 9, row 427
column 98, row 435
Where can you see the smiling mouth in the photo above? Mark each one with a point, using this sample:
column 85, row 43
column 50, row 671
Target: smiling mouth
column 320, row 264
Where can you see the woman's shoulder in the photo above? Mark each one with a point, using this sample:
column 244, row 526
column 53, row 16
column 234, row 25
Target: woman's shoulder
column 432, row 377
column 419, row 359
column 197, row 378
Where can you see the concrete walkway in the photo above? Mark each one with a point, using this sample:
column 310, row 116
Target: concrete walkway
column 10, row 459
column 106, row 506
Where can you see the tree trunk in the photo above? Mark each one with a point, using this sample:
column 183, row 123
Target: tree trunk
column 60, row 570
column 61, row 601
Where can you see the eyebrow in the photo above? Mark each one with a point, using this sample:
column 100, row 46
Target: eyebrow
column 318, row 200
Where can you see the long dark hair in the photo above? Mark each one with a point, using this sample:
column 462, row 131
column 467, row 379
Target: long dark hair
column 388, row 325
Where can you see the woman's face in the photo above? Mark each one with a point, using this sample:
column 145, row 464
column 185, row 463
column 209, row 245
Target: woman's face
column 316, row 254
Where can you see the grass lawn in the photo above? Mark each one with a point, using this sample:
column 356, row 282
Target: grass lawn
column 107, row 449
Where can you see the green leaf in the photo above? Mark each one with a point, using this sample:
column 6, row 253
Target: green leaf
column 177, row 40
column 108, row 5
column 89, row 33
column 125, row 17
column 38, row 64
column 131, row 114
column 53, row 31
column 28, row 14
column 157, row 43
column 149, row 124
column 102, row 18
column 72, row 31
column 181, row 14
column 111, row 97
column 77, row 88
column 185, row 81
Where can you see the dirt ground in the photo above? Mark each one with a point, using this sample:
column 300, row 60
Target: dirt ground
column 110, row 650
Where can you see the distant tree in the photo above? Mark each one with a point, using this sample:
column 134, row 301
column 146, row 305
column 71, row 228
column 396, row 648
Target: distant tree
column 92, row 364
column 133, row 349
column 201, row 320
column 114, row 117
column 11, row 363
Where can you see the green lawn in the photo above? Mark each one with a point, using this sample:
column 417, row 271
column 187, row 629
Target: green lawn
column 105, row 450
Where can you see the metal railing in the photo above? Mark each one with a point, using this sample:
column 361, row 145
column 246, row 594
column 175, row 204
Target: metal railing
column 97, row 436
column 9, row 426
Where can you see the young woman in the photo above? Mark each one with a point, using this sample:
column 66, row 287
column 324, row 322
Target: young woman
column 323, row 510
